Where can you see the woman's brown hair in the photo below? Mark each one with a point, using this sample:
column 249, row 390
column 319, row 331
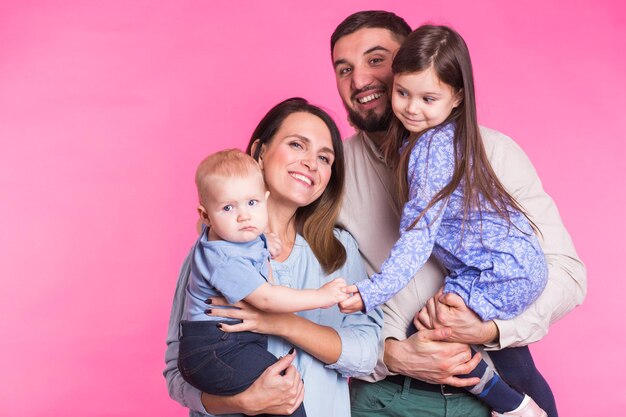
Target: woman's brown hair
column 444, row 50
column 316, row 221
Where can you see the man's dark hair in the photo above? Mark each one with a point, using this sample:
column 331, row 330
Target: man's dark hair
column 371, row 19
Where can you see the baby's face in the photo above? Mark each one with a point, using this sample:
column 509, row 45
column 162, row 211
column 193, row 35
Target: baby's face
column 237, row 208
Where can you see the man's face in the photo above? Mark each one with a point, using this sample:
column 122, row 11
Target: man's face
column 362, row 62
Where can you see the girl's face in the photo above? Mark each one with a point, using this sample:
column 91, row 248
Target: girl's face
column 421, row 101
column 297, row 162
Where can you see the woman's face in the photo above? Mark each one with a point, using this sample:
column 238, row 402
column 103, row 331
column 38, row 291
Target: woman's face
column 297, row 161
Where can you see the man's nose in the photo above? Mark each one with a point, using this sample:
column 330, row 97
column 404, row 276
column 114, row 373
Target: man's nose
column 361, row 78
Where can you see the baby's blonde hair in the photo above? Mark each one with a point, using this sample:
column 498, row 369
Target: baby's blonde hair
column 224, row 164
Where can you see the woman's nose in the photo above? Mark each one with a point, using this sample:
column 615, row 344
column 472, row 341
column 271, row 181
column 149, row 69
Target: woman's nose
column 310, row 162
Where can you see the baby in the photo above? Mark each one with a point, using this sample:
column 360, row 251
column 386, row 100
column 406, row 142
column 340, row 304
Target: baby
column 231, row 260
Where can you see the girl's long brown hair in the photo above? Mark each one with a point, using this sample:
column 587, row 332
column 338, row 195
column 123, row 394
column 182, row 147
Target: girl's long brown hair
column 316, row 221
column 443, row 49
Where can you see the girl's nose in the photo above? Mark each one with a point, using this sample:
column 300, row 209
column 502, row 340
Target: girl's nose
column 412, row 107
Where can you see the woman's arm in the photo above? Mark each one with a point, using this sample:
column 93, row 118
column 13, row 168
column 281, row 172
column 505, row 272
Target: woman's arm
column 350, row 348
column 270, row 393
column 322, row 342
column 567, row 277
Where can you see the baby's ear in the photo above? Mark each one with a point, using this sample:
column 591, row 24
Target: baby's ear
column 267, row 194
column 204, row 216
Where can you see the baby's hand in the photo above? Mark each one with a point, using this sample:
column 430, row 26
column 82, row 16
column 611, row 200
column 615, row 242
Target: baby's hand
column 332, row 292
column 353, row 303
column 274, row 244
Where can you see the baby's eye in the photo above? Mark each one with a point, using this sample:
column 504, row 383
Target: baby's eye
column 253, row 202
column 227, row 207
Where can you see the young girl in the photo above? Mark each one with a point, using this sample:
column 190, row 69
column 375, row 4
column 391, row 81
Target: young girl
column 456, row 209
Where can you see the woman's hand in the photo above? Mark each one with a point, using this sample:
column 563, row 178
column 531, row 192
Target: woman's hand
column 279, row 390
column 253, row 319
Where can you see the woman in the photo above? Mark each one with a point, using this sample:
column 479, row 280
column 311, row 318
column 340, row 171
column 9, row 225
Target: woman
column 299, row 149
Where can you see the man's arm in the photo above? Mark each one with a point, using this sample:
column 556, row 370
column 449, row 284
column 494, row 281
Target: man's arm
column 567, row 276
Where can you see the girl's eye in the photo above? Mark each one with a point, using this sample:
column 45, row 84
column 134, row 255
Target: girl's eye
column 227, row 207
column 253, row 202
column 402, row 93
column 429, row 99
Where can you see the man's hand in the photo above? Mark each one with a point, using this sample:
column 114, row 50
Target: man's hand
column 449, row 310
column 425, row 356
column 352, row 304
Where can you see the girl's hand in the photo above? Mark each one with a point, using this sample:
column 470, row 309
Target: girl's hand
column 253, row 319
column 354, row 303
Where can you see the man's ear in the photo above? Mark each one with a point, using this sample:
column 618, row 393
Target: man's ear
column 204, row 216
column 253, row 149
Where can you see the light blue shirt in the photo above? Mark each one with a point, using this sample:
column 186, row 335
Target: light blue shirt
column 326, row 386
column 497, row 268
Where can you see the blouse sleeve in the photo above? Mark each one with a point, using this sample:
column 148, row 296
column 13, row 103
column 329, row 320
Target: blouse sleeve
column 431, row 165
column 359, row 332
column 179, row 390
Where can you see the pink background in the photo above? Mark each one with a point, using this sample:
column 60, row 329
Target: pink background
column 107, row 107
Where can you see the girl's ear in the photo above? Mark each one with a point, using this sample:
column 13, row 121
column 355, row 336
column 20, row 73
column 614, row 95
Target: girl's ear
column 458, row 98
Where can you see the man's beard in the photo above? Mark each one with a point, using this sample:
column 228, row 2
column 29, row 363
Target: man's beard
column 371, row 122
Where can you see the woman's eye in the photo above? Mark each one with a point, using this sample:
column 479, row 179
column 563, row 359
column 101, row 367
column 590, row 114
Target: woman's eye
column 228, row 207
column 324, row 159
column 253, row 202
column 296, row 145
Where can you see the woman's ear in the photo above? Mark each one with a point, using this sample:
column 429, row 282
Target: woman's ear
column 260, row 148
